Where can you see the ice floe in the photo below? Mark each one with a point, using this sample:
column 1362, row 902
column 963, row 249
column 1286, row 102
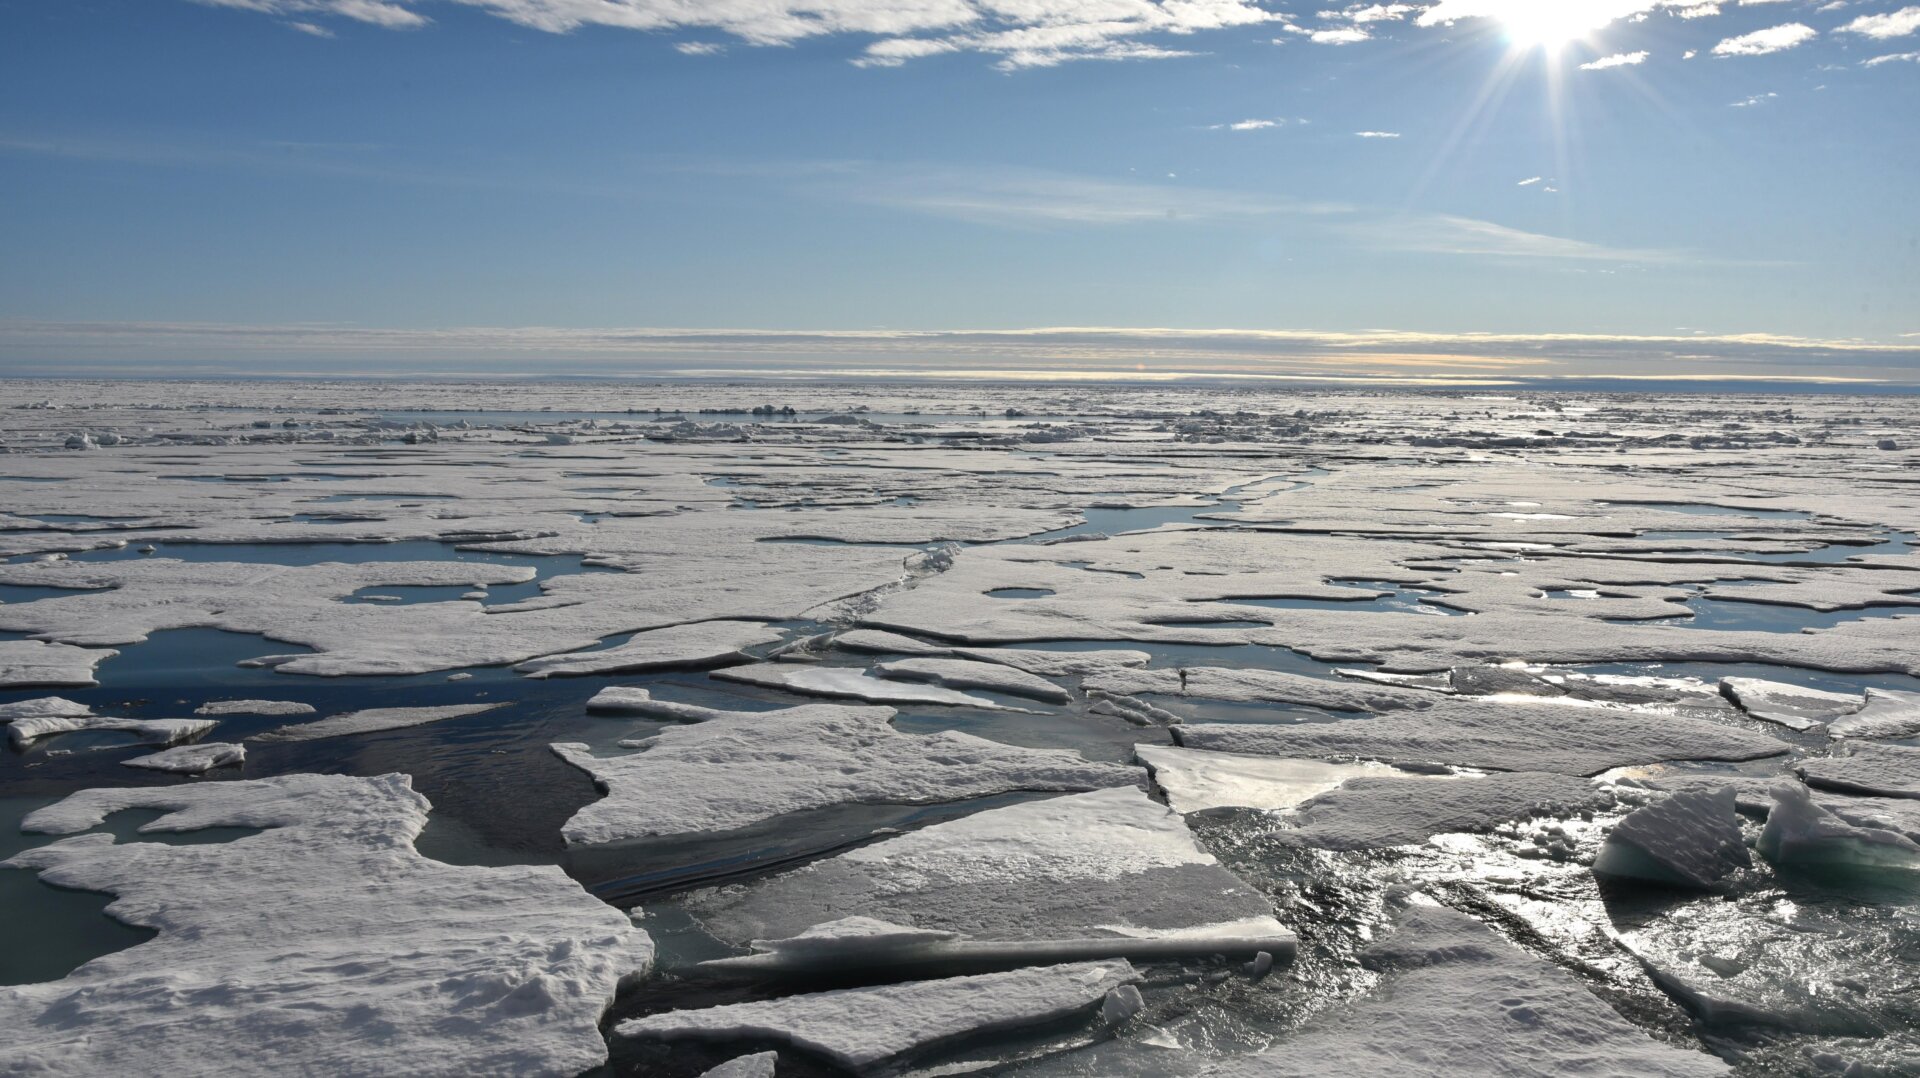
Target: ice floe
column 147, row 731
column 32, row 664
column 847, row 683
column 1690, row 838
column 192, row 759
column 703, row 643
column 1492, row 734
column 968, row 674
column 1789, row 705
column 739, row 768
column 1105, row 874
column 372, row 721
column 757, row 1065
column 1370, row 812
column 1257, row 686
column 254, row 707
column 1887, row 714
column 864, row 1029
column 1802, row 833
column 1195, row 780
column 1865, row 767
column 325, row 944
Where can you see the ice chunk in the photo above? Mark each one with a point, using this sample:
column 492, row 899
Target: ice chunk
column 1373, row 812
column 149, row 731
column 326, row 944
column 758, row 1065
column 373, row 720
column 674, row 647
column 863, row 1029
column 884, row 643
column 1888, row 714
column 1866, row 768
column 26, row 664
column 1195, row 780
column 1789, row 705
column 254, row 707
column 1690, row 839
column 967, row 674
column 1094, row 875
column 846, row 683
column 739, row 768
column 1509, row 736
column 192, row 759
column 1457, row 1000
column 1801, row 833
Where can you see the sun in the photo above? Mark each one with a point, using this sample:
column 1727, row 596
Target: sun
column 1551, row 24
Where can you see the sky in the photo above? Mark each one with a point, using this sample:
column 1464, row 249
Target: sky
column 1429, row 191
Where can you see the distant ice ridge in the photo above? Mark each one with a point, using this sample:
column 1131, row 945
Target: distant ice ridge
column 325, row 944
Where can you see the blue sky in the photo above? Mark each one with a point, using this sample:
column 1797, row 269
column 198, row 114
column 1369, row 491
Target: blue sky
column 1437, row 187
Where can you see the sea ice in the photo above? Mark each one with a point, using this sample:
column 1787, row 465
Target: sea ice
column 847, row 683
column 1801, row 833
column 43, row 706
column 1690, row 838
column 863, row 1029
column 700, row 644
column 739, row 768
column 26, row 664
column 372, row 720
column 967, row 674
column 1196, row 780
column 1789, row 705
column 254, row 707
column 1456, row 999
column 1888, row 714
column 1106, row 874
column 758, row 1065
column 1258, row 686
column 1374, row 812
column 192, row 759
column 324, row 944
column 1507, row 736
column 1865, row 767
column 149, row 731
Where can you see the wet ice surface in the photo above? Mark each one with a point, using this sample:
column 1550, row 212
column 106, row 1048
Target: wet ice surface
column 1370, row 647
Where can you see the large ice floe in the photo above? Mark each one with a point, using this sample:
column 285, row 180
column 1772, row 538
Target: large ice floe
column 26, row 664
column 322, row 944
column 740, row 768
column 1105, row 874
column 373, row 721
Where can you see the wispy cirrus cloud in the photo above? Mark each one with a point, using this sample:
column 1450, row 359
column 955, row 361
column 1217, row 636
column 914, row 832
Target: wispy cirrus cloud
column 1619, row 59
column 1765, row 42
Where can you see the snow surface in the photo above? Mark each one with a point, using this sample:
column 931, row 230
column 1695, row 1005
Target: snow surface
column 148, row 731
column 967, row 674
column 43, row 706
column 1371, row 812
column 863, row 1029
column 740, row 768
column 1864, row 767
column 1888, row 714
column 1792, row 706
column 758, row 1065
column 844, row 683
column 373, row 720
column 324, row 944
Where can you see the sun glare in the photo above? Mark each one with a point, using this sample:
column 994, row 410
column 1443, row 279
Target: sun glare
column 1551, row 24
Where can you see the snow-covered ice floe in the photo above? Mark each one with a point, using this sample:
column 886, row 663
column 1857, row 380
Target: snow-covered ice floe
column 1793, row 706
column 1690, row 838
column 969, row 674
column 1105, row 874
column 1196, row 780
column 864, row 1029
column 705, row 643
column 254, row 707
column 1887, row 714
column 739, row 768
column 846, row 683
column 323, row 944
column 1865, row 767
column 147, row 731
column 32, row 664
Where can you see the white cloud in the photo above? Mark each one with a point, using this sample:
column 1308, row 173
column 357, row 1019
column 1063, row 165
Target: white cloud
column 1247, row 125
column 699, row 48
column 1756, row 99
column 311, row 29
column 1378, row 134
column 1451, row 235
column 1892, row 58
column 1893, row 24
column 1345, row 35
column 1619, row 59
column 1530, row 181
column 1771, row 40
